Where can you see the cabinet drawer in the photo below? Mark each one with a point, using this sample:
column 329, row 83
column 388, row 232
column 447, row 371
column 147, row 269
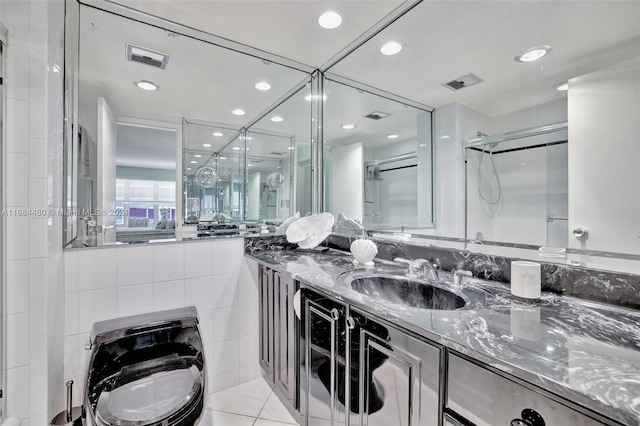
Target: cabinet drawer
column 488, row 399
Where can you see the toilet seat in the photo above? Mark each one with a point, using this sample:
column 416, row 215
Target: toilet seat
column 149, row 399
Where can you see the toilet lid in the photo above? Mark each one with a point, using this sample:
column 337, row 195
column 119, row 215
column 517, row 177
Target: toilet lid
column 149, row 399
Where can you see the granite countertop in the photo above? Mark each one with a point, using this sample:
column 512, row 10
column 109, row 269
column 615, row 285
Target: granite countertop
column 586, row 352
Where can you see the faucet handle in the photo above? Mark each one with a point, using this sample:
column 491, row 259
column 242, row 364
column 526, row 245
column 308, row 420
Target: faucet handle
column 459, row 273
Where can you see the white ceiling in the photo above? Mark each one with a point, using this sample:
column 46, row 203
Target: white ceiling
column 142, row 146
column 442, row 40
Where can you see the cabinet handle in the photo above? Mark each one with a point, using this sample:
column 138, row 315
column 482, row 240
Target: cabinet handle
column 529, row 418
column 351, row 324
column 335, row 314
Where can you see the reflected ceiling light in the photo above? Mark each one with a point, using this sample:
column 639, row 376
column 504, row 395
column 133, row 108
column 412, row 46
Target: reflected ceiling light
column 309, row 98
column 563, row 87
column 533, row 54
column 348, row 126
column 146, row 85
column 206, row 145
column 222, row 158
column 193, row 162
column 391, row 48
column 422, row 144
column 277, row 119
column 217, row 134
column 290, row 148
column 330, row 20
column 188, row 168
column 249, row 165
column 197, row 155
column 263, row 85
column 392, row 136
column 238, row 111
column 237, row 148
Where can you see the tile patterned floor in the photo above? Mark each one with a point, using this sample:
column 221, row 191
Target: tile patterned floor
column 249, row 404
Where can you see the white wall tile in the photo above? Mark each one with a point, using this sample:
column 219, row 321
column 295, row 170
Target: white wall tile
column 168, row 295
column 248, row 291
column 18, row 396
column 198, row 257
column 17, row 126
column 248, row 319
column 72, row 348
column 134, row 265
column 226, row 380
column 71, row 271
column 199, row 293
column 38, row 158
column 71, row 317
column 37, row 118
column 17, row 342
column 250, row 372
column 17, row 172
column 225, row 290
column 225, row 357
column 96, row 305
column 38, row 195
column 17, row 287
column 207, row 329
column 168, row 262
column 227, row 256
column 38, row 237
column 225, row 321
column 17, row 73
column 37, row 77
column 38, row 396
column 15, row 15
column 37, row 356
column 97, row 268
column 136, row 299
column 250, row 352
column 37, row 317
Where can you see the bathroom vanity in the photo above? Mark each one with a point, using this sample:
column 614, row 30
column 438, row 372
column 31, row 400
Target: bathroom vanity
column 368, row 357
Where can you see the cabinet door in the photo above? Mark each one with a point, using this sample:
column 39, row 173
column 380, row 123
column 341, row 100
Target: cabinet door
column 266, row 321
column 322, row 374
column 489, row 399
column 398, row 380
column 285, row 335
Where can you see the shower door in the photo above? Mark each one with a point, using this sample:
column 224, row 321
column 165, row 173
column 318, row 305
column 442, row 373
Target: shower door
column 3, row 45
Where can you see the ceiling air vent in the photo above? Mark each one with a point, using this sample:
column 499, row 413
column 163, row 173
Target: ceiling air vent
column 145, row 56
column 462, row 82
column 377, row 115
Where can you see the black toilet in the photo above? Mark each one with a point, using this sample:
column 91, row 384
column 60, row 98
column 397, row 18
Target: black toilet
column 146, row 369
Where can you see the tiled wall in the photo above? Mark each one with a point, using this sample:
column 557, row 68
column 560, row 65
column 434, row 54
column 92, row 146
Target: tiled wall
column 32, row 175
column 103, row 283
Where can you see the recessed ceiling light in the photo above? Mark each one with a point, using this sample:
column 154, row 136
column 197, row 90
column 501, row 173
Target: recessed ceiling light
column 391, row 48
column 533, row 54
column 238, row 111
column 392, row 136
column 236, row 148
column 263, row 85
column 348, row 126
column 330, row 20
column 188, row 168
column 249, row 165
column 277, row 119
column 563, row 87
column 206, row 145
column 146, row 85
column 217, row 134
column 193, row 162
column 197, row 155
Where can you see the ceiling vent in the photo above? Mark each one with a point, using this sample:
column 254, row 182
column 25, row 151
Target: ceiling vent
column 145, row 56
column 462, row 82
column 377, row 115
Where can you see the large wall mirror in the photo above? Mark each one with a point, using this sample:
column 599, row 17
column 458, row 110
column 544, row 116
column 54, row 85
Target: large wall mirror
column 137, row 80
column 534, row 152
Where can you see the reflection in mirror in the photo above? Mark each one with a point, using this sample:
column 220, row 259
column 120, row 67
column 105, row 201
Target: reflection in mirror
column 378, row 156
column 137, row 78
column 212, row 163
column 547, row 193
column 279, row 161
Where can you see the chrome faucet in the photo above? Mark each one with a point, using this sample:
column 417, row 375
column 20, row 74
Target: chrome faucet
column 418, row 265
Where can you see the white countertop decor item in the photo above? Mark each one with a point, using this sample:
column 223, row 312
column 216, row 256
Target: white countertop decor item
column 525, row 279
column 364, row 251
column 310, row 231
column 348, row 227
column 282, row 229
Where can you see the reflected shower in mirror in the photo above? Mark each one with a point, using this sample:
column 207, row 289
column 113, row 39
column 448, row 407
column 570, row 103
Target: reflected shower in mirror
column 589, row 79
column 378, row 159
column 137, row 78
